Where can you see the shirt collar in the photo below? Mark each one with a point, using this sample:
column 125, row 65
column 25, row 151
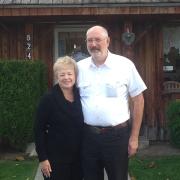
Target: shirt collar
column 107, row 63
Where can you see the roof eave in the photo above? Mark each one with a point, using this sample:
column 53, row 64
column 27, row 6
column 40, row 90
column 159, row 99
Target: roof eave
column 97, row 5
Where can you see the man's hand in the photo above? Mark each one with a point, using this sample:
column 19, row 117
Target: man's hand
column 133, row 146
column 137, row 113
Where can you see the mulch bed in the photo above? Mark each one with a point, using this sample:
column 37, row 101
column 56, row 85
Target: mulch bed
column 7, row 153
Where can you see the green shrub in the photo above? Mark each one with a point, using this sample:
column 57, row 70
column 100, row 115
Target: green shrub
column 173, row 114
column 21, row 85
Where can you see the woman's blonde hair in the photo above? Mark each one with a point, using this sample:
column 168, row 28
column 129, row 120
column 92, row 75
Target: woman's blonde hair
column 63, row 62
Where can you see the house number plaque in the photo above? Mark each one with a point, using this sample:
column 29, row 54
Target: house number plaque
column 28, row 47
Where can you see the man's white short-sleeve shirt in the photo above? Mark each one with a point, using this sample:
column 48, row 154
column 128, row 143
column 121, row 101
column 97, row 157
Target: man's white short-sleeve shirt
column 105, row 89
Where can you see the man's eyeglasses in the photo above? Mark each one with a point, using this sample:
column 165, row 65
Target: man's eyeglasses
column 96, row 40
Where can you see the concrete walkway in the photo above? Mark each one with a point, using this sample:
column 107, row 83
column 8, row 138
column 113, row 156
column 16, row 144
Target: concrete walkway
column 38, row 174
column 40, row 177
column 31, row 151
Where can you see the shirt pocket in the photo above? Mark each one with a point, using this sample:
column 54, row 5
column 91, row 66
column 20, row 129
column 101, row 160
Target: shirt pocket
column 85, row 89
column 111, row 90
column 115, row 88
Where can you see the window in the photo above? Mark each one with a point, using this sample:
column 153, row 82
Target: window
column 70, row 40
column 171, row 45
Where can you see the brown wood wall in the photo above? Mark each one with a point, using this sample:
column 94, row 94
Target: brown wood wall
column 148, row 59
column 54, row 11
column 12, row 43
column 147, row 53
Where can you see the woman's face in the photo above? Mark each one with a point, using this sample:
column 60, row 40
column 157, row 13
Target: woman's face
column 66, row 77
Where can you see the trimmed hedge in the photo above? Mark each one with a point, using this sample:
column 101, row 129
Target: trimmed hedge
column 173, row 114
column 21, row 85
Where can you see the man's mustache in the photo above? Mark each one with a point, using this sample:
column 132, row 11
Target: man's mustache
column 94, row 49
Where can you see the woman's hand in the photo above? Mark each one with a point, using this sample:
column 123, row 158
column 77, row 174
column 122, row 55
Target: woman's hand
column 45, row 168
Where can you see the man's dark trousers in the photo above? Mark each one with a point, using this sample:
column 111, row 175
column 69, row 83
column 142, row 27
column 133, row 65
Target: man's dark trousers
column 106, row 149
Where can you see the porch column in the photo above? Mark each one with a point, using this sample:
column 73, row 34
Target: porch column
column 128, row 39
column 28, row 42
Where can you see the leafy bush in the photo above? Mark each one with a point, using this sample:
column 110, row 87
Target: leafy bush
column 173, row 114
column 21, row 85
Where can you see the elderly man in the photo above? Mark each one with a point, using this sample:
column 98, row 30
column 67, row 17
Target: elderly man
column 106, row 81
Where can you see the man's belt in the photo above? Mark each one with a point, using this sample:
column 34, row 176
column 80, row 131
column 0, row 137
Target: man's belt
column 100, row 129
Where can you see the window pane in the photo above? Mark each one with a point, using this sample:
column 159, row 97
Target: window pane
column 171, row 37
column 72, row 44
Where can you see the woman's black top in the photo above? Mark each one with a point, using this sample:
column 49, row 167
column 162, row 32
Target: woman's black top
column 58, row 127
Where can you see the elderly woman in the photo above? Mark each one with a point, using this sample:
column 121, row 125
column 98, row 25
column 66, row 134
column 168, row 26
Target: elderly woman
column 59, row 125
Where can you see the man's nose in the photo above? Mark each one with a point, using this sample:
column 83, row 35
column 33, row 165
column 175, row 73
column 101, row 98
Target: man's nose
column 94, row 43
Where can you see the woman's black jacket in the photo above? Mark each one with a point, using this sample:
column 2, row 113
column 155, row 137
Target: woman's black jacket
column 58, row 127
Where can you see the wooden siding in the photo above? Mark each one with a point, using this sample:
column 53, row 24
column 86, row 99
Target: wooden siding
column 146, row 50
column 58, row 11
column 83, row 1
column 145, row 60
column 148, row 60
column 12, row 43
column 87, row 7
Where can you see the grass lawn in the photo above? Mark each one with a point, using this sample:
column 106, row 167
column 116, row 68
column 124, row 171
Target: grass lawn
column 155, row 168
column 18, row 170
column 146, row 168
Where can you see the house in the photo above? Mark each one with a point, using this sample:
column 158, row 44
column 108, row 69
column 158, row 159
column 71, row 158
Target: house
column 146, row 31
